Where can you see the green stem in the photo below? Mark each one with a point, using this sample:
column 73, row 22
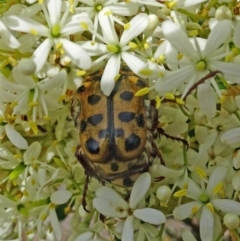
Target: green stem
column 161, row 231
column 194, row 17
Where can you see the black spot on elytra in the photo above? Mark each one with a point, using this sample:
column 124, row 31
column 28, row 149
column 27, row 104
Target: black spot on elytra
column 119, row 132
column 132, row 142
column 128, row 182
column 81, row 89
column 92, row 146
column 102, row 133
column 126, row 116
column 114, row 166
column 141, row 83
column 83, row 125
column 95, row 119
column 126, row 95
column 93, row 99
column 140, row 120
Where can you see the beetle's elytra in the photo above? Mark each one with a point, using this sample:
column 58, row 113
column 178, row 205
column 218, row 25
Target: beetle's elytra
column 115, row 131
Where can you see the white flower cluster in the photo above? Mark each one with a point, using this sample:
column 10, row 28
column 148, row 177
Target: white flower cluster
column 189, row 50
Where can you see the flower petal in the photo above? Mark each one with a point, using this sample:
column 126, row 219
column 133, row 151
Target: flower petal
column 94, row 49
column 230, row 70
column 216, row 176
column 54, row 10
column 24, row 80
column 173, row 79
column 55, row 82
column 217, row 36
column 185, row 210
column 133, row 62
column 107, row 24
column 227, row 206
column 60, row 196
column 77, row 54
column 193, row 189
column 150, row 215
column 168, row 172
column 110, row 72
column 137, row 25
column 206, row 225
column 73, row 26
column 128, row 230
column 232, row 137
column 26, row 25
column 187, row 235
column 40, row 55
column 207, row 99
column 87, row 236
column 57, row 230
column 178, row 39
column 109, row 208
column 32, row 153
column 124, row 8
column 8, row 38
column 14, row 136
column 140, row 189
column 111, row 195
column 110, row 203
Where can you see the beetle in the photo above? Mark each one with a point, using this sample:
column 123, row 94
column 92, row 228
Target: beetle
column 116, row 132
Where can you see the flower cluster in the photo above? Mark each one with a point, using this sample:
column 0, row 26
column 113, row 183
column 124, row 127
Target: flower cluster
column 187, row 50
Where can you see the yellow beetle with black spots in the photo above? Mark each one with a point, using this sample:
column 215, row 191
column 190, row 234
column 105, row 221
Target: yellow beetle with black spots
column 115, row 131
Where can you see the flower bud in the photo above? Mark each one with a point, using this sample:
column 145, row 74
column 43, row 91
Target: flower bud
column 26, row 66
column 231, row 220
column 164, row 193
column 222, row 13
column 153, row 23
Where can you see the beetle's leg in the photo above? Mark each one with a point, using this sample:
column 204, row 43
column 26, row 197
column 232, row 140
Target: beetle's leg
column 89, row 171
column 157, row 153
column 84, row 194
column 160, row 131
column 173, row 138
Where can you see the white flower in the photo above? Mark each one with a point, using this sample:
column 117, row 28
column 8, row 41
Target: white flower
column 111, row 204
column 213, row 137
column 27, row 94
column 117, row 49
column 60, row 26
column 117, row 8
column 206, row 200
column 200, row 56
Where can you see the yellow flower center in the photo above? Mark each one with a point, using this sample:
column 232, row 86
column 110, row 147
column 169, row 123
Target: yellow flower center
column 114, row 48
column 56, row 31
column 98, row 7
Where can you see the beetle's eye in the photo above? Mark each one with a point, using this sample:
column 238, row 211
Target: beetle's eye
column 75, row 110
